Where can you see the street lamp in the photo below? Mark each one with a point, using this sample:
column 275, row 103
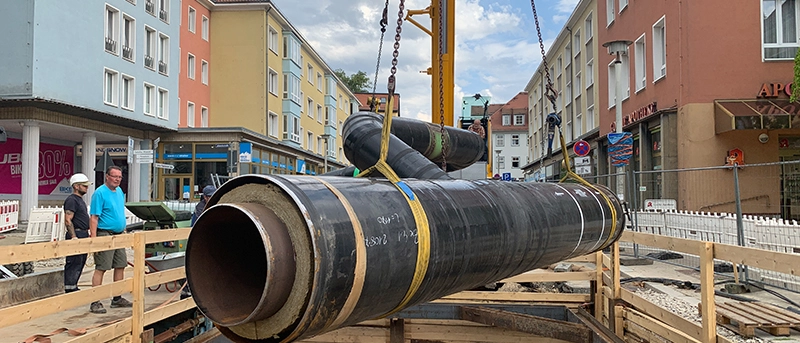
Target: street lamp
column 618, row 48
column 325, row 154
column 496, row 160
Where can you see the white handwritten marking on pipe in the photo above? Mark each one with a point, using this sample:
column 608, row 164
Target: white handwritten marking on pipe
column 388, row 219
column 372, row 241
column 407, row 235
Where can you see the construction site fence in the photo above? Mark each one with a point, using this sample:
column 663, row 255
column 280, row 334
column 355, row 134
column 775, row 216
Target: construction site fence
column 754, row 205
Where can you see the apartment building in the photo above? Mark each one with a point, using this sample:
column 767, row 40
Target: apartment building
column 277, row 107
column 195, row 50
column 572, row 69
column 509, row 137
column 79, row 77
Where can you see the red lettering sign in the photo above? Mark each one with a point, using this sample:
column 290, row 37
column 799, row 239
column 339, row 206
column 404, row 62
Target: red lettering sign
column 773, row 90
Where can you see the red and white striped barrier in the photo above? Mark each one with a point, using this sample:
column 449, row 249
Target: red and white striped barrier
column 9, row 215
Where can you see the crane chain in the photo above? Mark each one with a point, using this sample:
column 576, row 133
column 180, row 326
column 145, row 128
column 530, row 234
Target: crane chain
column 392, row 80
column 384, row 21
column 550, row 93
column 441, row 85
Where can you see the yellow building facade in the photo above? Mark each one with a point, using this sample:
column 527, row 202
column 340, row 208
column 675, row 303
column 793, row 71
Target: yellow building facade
column 278, row 106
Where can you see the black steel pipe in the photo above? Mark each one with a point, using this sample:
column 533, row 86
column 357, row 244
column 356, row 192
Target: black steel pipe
column 355, row 245
column 362, row 146
column 463, row 147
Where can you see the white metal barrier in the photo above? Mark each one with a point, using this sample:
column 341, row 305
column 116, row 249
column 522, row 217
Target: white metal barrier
column 9, row 215
column 45, row 225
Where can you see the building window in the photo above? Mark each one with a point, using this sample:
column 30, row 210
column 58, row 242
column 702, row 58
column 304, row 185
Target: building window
column 273, row 40
column 310, row 107
column 163, row 12
column 780, row 29
column 515, row 162
column 501, row 162
column 319, row 82
column 149, row 47
column 273, row 82
column 320, row 143
column 623, row 4
column 660, row 50
column 163, row 103
column 163, row 57
column 310, row 141
column 204, row 28
column 588, row 27
column 519, row 119
column 192, row 18
column 190, row 66
column 319, row 114
column 291, row 88
column 149, row 99
column 310, row 74
column 150, row 7
column 506, row 120
column 128, row 37
column 111, row 29
column 204, row 72
column 110, row 87
column 189, row 114
column 296, row 130
column 610, row 13
column 128, row 92
column 500, row 141
column 640, row 58
column 514, row 140
column 203, row 117
column 273, row 124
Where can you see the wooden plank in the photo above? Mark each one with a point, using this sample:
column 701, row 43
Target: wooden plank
column 619, row 329
column 156, row 236
column 598, row 297
column 615, row 268
column 539, row 326
column 657, row 327
column 397, row 332
column 607, row 281
column 606, row 261
column 106, row 333
column 42, row 251
column 550, row 276
column 519, row 296
column 584, row 258
column 165, row 276
column 706, row 254
column 688, row 246
column 165, row 311
column 788, row 314
column 729, row 312
column 471, row 334
column 764, row 259
column 671, row 319
column 760, row 315
column 137, row 317
column 638, row 334
column 40, row 308
column 354, row 334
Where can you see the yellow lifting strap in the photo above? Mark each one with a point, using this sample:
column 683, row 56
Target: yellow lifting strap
column 420, row 218
column 579, row 179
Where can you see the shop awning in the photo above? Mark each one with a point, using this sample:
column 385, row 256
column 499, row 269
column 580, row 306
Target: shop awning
column 757, row 114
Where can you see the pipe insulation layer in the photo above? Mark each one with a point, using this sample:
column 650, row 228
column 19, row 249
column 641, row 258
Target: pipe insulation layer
column 280, row 258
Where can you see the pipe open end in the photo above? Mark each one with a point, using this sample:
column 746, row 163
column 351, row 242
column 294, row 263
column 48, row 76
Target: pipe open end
column 239, row 263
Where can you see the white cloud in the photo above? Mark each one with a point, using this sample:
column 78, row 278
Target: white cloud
column 496, row 50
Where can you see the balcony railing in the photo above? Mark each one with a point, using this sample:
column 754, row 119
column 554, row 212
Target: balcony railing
column 163, row 15
column 111, row 45
column 127, row 52
column 292, row 137
column 148, row 61
column 150, row 7
column 162, row 67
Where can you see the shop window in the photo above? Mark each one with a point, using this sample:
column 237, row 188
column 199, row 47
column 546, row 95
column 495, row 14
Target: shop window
column 177, row 151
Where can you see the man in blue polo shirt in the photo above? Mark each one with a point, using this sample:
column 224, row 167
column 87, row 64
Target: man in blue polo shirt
column 108, row 218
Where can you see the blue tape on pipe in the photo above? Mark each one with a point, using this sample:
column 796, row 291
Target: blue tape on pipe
column 403, row 187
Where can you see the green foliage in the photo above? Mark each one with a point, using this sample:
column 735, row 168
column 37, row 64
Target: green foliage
column 357, row 82
column 796, row 81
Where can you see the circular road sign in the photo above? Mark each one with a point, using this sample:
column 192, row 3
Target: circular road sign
column 581, row 148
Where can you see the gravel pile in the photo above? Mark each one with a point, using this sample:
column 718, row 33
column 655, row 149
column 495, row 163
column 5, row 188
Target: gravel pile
column 689, row 311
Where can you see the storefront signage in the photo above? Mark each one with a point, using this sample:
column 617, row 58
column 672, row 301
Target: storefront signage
column 113, row 150
column 774, row 90
column 55, row 167
column 640, row 114
column 245, row 152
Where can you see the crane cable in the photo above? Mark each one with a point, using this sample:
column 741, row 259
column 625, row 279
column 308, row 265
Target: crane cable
column 554, row 122
column 384, row 21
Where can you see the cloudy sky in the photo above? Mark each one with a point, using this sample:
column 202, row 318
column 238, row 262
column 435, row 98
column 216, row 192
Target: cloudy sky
column 497, row 49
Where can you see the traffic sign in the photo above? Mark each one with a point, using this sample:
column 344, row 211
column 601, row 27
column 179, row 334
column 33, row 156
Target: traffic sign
column 506, row 176
column 582, row 161
column 581, row 148
column 583, row 170
column 143, row 152
column 164, row 166
column 143, row 159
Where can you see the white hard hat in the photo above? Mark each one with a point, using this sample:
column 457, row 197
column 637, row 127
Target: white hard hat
column 79, row 178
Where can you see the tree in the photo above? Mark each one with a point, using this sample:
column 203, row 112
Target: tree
column 796, row 82
column 357, row 82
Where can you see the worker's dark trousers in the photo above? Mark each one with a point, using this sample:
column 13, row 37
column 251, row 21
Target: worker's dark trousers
column 74, row 266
